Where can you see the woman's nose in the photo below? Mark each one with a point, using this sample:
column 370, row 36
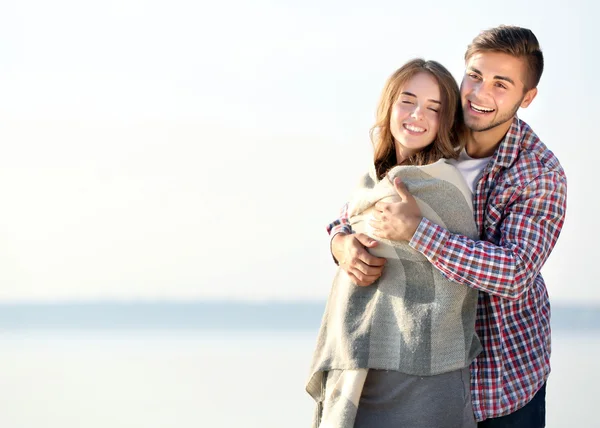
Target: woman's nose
column 416, row 113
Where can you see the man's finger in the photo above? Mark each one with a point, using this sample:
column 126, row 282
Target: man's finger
column 365, row 240
column 379, row 207
column 379, row 233
column 401, row 189
column 376, row 215
column 371, row 260
column 375, row 225
column 366, row 269
column 364, row 256
column 361, row 279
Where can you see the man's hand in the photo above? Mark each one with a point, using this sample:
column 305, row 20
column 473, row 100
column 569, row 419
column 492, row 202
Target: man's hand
column 351, row 253
column 397, row 221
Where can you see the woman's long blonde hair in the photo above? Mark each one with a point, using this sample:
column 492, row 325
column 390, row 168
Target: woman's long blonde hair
column 452, row 131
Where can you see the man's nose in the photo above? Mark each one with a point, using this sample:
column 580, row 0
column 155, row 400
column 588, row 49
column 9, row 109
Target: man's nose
column 481, row 89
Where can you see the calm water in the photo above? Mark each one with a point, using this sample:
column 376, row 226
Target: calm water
column 230, row 379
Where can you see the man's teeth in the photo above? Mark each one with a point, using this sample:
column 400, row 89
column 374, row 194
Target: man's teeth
column 414, row 128
column 481, row 109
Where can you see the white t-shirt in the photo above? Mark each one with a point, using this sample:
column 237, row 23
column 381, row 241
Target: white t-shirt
column 470, row 168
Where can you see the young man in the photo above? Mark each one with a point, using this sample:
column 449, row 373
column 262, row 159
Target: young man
column 519, row 201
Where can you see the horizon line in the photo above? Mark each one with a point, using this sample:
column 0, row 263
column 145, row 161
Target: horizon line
column 229, row 301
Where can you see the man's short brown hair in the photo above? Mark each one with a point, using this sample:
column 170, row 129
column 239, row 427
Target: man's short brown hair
column 516, row 41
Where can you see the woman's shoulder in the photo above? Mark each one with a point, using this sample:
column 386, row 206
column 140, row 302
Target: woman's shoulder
column 441, row 166
column 368, row 178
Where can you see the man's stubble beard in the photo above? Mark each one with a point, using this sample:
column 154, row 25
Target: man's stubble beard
column 501, row 120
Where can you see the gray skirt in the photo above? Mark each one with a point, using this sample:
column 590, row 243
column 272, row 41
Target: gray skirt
column 393, row 399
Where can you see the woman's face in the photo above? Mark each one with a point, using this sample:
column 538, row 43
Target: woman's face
column 414, row 121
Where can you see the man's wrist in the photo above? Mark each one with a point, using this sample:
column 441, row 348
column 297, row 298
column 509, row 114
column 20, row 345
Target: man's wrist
column 337, row 235
column 414, row 226
column 429, row 239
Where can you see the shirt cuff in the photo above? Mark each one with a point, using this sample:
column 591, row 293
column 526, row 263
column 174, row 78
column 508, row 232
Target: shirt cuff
column 334, row 229
column 429, row 239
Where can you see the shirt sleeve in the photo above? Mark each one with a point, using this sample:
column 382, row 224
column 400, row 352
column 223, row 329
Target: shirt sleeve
column 528, row 233
column 341, row 224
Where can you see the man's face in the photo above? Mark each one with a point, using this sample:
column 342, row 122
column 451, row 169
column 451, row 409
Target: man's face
column 492, row 90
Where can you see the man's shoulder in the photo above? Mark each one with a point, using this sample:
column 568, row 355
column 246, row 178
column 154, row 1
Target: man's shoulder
column 534, row 157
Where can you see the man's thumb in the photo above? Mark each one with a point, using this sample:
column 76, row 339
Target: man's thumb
column 365, row 240
column 401, row 189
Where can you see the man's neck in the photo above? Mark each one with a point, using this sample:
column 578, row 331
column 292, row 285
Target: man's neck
column 484, row 143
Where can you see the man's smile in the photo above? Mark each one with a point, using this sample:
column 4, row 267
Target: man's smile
column 479, row 108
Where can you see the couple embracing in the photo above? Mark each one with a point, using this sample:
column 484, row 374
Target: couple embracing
column 438, row 315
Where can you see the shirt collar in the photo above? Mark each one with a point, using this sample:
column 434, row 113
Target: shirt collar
column 507, row 152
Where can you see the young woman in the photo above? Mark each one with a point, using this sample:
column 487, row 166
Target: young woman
column 397, row 353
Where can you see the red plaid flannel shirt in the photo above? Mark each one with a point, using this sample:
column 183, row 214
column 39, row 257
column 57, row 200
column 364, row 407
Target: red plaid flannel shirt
column 519, row 207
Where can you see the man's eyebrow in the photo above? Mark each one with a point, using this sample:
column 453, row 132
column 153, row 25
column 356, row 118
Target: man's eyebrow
column 506, row 79
column 410, row 94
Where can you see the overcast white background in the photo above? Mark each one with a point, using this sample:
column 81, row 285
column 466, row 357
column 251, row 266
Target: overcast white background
column 184, row 149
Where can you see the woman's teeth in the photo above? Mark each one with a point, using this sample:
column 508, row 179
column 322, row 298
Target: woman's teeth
column 413, row 128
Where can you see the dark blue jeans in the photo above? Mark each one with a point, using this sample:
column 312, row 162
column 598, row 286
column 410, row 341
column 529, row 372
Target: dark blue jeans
column 532, row 415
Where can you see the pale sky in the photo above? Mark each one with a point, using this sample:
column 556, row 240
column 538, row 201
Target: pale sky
column 185, row 149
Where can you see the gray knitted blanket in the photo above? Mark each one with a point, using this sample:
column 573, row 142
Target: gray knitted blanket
column 412, row 319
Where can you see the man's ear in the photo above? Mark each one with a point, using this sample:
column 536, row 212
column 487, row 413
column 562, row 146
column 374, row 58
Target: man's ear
column 528, row 98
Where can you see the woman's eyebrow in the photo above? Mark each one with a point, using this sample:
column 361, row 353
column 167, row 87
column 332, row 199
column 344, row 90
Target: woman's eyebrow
column 410, row 94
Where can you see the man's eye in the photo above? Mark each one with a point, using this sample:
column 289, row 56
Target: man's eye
column 500, row 85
